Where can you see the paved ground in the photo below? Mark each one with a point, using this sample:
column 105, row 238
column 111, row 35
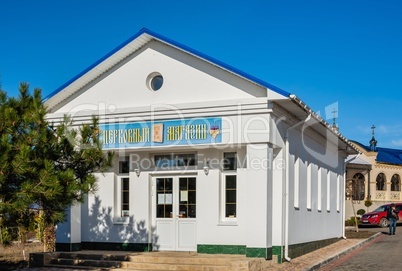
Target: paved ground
column 52, row 269
column 383, row 253
column 321, row 257
column 326, row 258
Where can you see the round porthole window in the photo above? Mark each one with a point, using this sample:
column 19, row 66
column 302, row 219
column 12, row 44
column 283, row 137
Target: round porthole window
column 155, row 81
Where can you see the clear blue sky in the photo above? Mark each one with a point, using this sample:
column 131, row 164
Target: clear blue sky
column 328, row 53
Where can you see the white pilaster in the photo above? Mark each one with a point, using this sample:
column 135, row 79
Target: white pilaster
column 259, row 165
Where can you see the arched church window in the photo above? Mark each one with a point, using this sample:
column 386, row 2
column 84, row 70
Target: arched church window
column 396, row 183
column 358, row 187
column 380, row 182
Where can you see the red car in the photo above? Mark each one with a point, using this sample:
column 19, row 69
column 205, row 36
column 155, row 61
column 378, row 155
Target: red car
column 379, row 216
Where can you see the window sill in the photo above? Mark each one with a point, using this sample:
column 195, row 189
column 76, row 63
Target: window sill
column 228, row 223
column 121, row 220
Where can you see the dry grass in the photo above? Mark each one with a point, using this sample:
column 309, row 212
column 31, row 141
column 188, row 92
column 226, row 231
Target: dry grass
column 11, row 257
column 361, row 234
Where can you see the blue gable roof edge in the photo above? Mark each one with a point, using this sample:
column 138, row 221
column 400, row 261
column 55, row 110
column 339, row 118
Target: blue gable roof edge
column 219, row 63
column 181, row 46
column 142, row 31
column 385, row 155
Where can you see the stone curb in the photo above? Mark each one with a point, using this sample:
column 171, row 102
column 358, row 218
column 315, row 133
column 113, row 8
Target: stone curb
column 340, row 254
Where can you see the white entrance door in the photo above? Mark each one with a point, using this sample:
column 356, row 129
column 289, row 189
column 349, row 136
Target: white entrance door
column 174, row 213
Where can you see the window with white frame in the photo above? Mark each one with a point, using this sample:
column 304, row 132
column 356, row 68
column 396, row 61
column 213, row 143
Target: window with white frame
column 124, row 186
column 229, row 186
column 125, row 196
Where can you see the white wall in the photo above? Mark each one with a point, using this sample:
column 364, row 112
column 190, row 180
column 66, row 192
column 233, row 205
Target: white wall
column 210, row 228
column 186, row 79
column 98, row 212
column 315, row 210
column 258, row 198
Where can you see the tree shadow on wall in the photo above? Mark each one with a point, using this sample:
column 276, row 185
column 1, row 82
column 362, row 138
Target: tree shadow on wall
column 103, row 229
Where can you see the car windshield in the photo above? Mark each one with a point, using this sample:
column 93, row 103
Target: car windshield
column 381, row 209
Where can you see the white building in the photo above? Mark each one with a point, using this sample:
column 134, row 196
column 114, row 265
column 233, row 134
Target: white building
column 208, row 158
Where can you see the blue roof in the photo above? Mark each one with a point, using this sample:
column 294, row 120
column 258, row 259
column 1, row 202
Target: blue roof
column 385, row 155
column 180, row 46
column 389, row 156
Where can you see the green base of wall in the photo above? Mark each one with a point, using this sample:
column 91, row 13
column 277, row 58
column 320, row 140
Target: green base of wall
column 277, row 251
column 221, row 249
column 265, row 253
column 301, row 249
column 255, row 252
column 104, row 246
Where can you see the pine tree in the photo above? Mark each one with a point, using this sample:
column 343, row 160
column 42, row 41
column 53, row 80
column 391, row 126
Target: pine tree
column 44, row 166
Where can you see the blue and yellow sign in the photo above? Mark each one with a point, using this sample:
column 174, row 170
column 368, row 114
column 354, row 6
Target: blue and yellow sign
column 161, row 133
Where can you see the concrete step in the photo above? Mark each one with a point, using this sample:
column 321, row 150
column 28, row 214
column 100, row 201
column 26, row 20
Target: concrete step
column 138, row 265
column 93, row 256
column 188, row 259
column 157, row 261
column 86, row 263
column 69, row 267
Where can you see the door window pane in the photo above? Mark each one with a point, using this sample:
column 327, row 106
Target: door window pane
column 183, row 183
column 164, row 197
column 169, row 184
column 192, row 184
column 187, row 195
column 191, row 197
column 191, row 210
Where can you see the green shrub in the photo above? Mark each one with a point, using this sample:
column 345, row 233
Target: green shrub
column 361, row 212
column 351, row 221
column 6, row 237
column 368, row 203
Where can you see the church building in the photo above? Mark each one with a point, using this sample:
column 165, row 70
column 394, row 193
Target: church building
column 373, row 178
column 208, row 158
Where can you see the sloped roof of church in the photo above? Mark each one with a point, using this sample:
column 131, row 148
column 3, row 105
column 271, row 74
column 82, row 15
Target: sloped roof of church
column 385, row 155
column 132, row 45
column 390, row 156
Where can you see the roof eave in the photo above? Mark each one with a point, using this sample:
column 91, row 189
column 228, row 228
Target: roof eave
column 349, row 147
